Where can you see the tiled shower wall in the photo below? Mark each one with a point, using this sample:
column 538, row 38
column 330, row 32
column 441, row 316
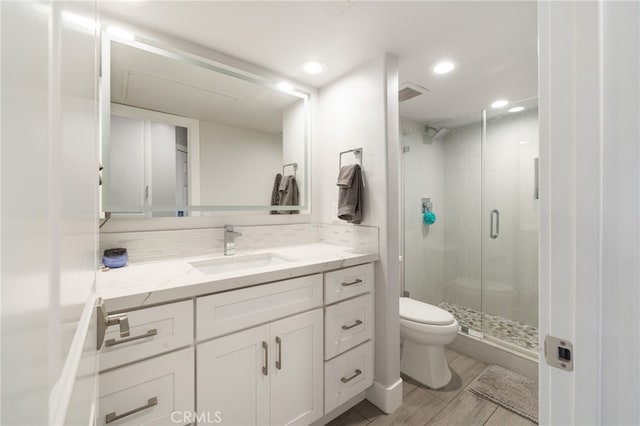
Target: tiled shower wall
column 158, row 245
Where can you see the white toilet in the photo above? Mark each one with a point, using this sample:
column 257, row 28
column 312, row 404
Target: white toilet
column 424, row 330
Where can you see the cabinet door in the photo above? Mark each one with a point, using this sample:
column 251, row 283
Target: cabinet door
column 297, row 369
column 233, row 385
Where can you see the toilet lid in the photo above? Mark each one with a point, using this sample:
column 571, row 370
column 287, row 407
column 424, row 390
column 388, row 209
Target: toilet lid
column 414, row 310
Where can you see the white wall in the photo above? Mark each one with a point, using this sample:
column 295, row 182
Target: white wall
column 49, row 186
column 237, row 166
column 423, row 169
column 359, row 110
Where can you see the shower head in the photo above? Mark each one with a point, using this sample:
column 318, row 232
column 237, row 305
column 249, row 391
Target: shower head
column 436, row 133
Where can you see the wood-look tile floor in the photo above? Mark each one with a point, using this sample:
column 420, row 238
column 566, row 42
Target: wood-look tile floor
column 451, row 405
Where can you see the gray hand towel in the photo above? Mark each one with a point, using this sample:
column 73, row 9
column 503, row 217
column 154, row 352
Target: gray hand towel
column 350, row 193
column 288, row 194
column 275, row 192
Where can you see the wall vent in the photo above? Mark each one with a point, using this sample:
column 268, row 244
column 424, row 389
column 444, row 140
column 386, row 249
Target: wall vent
column 408, row 90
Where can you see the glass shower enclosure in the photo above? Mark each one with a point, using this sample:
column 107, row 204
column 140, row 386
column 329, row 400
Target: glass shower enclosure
column 479, row 259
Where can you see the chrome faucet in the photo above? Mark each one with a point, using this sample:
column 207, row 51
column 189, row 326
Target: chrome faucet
column 230, row 240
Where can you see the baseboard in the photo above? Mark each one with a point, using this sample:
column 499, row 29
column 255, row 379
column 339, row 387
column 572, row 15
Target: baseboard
column 388, row 399
column 490, row 353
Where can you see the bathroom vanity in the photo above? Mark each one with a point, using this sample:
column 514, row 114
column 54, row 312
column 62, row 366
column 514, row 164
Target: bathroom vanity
column 278, row 342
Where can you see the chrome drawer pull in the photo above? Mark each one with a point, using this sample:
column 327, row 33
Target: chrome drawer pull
column 114, row 342
column 279, row 358
column 355, row 324
column 265, row 367
column 357, row 281
column 112, row 417
column 347, row 380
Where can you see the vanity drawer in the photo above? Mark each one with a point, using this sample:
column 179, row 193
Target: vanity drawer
column 345, row 283
column 148, row 392
column 227, row 312
column 347, row 324
column 153, row 331
column 347, row 375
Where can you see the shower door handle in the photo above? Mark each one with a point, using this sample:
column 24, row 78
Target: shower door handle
column 494, row 232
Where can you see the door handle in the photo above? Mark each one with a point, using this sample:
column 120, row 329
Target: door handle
column 494, row 232
column 279, row 353
column 357, row 281
column 265, row 367
column 355, row 324
column 114, row 342
column 112, row 417
column 105, row 320
column 348, row 379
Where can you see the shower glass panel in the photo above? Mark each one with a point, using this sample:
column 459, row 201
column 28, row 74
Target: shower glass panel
column 443, row 261
column 479, row 259
column 510, row 225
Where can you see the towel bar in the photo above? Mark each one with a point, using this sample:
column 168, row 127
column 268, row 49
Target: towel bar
column 295, row 168
column 356, row 151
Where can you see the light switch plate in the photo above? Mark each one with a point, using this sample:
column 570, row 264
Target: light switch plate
column 559, row 353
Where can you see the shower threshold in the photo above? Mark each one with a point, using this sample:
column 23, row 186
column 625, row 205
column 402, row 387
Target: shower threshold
column 495, row 328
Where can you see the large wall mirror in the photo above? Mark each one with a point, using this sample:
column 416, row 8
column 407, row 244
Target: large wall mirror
column 183, row 135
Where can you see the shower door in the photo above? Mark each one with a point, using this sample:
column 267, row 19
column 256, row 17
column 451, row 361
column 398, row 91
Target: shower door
column 510, row 225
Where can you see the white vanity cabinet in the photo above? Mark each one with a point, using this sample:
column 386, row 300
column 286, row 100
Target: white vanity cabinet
column 349, row 331
column 268, row 375
column 279, row 353
column 264, row 365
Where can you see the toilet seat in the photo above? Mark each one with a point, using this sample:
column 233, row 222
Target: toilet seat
column 423, row 313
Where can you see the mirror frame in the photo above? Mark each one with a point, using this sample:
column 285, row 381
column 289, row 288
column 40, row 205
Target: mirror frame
column 210, row 64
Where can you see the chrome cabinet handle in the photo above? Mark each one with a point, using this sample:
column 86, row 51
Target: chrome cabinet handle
column 265, row 367
column 112, row 417
column 355, row 324
column 494, row 232
column 348, row 379
column 114, row 342
column 279, row 354
column 358, row 281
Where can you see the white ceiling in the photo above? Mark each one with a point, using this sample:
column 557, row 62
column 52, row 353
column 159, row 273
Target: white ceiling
column 493, row 43
column 147, row 80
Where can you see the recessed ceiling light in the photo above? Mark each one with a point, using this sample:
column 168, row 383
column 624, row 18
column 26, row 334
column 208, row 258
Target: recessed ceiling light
column 313, row 67
column 524, row 142
column 81, row 21
column 499, row 104
column 285, row 87
column 120, row 33
column 444, row 67
column 516, row 109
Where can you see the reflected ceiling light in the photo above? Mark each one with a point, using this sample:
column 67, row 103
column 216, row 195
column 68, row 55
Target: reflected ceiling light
column 120, row 33
column 499, row 103
column 516, row 109
column 313, row 67
column 524, row 142
column 285, row 87
column 443, row 67
column 81, row 21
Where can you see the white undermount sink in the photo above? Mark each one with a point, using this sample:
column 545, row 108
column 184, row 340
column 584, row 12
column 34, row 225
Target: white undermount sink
column 239, row 263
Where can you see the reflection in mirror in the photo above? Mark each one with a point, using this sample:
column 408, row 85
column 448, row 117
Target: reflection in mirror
column 188, row 135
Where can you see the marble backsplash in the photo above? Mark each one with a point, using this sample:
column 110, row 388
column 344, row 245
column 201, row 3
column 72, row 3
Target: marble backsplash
column 158, row 245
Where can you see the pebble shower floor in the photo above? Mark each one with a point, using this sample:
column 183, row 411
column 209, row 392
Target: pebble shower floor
column 522, row 335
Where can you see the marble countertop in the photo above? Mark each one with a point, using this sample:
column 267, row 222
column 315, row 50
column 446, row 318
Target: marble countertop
column 149, row 283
